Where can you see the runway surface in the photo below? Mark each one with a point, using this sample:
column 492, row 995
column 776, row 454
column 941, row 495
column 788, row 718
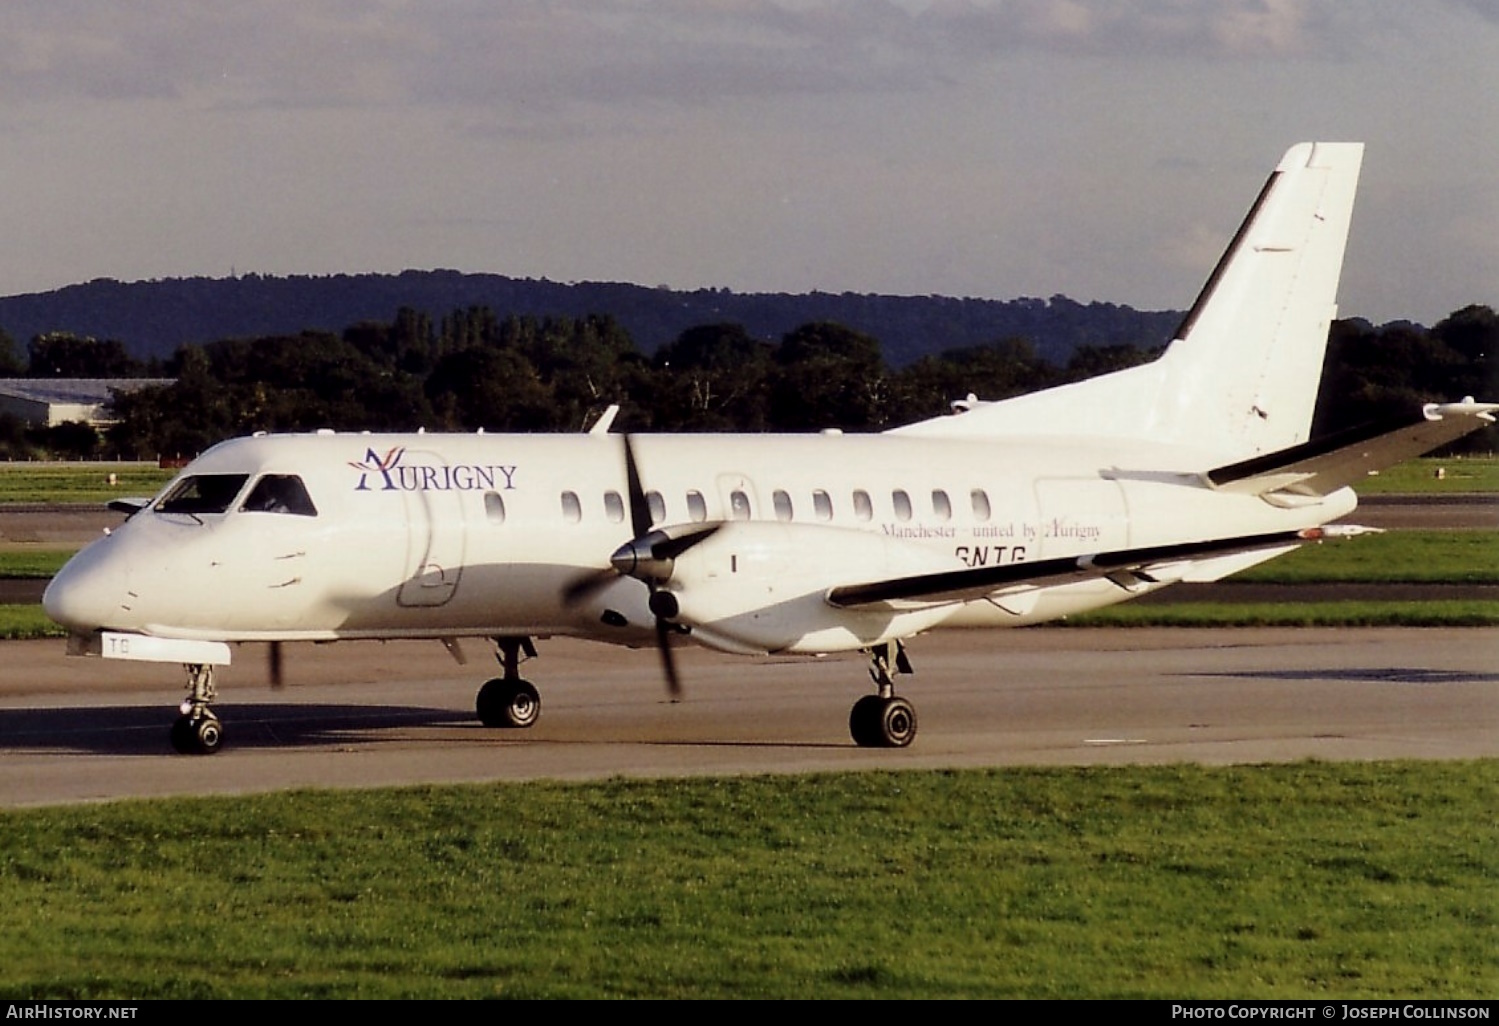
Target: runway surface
column 366, row 714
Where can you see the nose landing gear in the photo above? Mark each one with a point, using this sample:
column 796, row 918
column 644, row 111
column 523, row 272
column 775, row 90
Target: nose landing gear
column 198, row 731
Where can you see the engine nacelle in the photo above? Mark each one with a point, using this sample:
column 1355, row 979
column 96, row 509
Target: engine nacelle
column 759, row 587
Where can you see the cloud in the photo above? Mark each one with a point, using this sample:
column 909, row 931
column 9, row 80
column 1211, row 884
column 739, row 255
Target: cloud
column 370, row 52
column 1486, row 9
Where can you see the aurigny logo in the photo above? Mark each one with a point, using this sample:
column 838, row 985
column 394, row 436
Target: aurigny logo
column 395, row 476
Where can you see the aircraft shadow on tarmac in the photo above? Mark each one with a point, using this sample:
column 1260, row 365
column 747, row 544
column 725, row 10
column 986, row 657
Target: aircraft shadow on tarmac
column 1369, row 675
column 145, row 731
column 136, row 730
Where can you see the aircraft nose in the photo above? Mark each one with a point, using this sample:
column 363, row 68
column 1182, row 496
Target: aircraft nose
column 87, row 593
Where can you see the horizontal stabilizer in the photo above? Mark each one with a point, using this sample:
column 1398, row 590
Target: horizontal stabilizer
column 1322, row 466
column 1126, row 567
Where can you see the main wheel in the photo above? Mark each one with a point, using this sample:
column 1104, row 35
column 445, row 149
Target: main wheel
column 197, row 735
column 864, row 721
column 897, row 723
column 877, row 722
column 508, row 703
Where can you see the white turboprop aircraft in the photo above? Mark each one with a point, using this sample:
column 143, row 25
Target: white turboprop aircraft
column 1010, row 513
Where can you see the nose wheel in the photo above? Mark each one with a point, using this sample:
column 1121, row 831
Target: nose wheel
column 197, row 735
column 198, row 731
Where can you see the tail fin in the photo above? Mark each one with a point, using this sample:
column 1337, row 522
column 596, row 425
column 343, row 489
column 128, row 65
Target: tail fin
column 1241, row 376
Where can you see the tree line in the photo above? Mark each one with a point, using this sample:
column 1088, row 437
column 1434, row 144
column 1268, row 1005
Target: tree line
column 474, row 368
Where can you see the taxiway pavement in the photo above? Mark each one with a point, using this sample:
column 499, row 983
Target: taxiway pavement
column 369, row 714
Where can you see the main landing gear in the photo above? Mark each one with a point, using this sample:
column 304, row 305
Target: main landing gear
column 198, row 731
column 884, row 720
column 509, row 701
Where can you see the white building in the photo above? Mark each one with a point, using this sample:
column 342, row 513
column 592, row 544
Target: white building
column 52, row 401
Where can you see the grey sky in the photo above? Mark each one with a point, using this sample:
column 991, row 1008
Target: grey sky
column 1105, row 149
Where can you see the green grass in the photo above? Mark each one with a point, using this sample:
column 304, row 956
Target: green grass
column 82, row 483
column 28, row 561
column 1434, row 613
column 1304, row 880
column 1419, row 477
column 1411, row 557
column 19, row 622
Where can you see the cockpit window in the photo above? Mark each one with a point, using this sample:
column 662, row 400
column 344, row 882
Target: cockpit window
column 202, row 493
column 279, row 493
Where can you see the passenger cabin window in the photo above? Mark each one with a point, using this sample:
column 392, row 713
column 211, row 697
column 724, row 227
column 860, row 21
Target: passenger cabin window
column 279, row 493
column 572, row 509
column 980, row 504
column 494, row 508
column 697, row 507
column 822, row 505
column 863, row 508
column 614, row 507
column 202, row 493
column 782, row 503
column 657, row 506
column 902, row 503
column 739, row 505
column 941, row 505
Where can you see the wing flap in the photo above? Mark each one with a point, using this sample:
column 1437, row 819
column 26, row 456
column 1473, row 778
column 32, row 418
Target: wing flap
column 1127, row 568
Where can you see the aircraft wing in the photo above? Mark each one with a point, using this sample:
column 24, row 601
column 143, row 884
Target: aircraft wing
column 1126, row 567
column 1323, row 465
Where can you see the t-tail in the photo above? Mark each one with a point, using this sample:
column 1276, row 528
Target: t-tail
column 1240, row 378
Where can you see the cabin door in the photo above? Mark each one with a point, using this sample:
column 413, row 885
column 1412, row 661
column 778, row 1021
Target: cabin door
column 436, row 536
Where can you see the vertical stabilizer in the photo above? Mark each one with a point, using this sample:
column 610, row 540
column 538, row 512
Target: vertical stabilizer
column 1241, row 376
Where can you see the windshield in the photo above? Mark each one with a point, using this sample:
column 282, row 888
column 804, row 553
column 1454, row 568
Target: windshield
column 202, row 493
column 279, row 493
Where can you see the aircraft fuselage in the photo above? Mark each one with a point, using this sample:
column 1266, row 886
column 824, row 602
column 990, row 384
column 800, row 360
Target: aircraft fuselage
column 432, row 535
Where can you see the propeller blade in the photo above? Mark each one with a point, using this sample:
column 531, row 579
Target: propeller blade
column 671, row 548
column 586, row 586
column 640, row 524
column 640, row 510
column 273, row 664
column 668, row 660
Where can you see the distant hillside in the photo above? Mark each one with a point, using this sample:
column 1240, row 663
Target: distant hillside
column 153, row 318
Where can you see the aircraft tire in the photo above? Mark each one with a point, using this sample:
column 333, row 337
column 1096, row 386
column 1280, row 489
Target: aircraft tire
column 508, row 703
column 877, row 722
column 897, row 724
column 200, row 735
column 864, row 721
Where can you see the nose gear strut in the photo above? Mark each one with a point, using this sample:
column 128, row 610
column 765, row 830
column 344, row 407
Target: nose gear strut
column 198, row 731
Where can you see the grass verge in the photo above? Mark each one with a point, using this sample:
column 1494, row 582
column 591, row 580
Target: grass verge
column 1395, row 557
column 26, row 561
column 1349, row 880
column 1435, row 613
column 26, row 621
column 1435, row 476
column 82, row 483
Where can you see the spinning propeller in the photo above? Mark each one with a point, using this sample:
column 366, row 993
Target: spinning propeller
column 273, row 665
column 648, row 557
